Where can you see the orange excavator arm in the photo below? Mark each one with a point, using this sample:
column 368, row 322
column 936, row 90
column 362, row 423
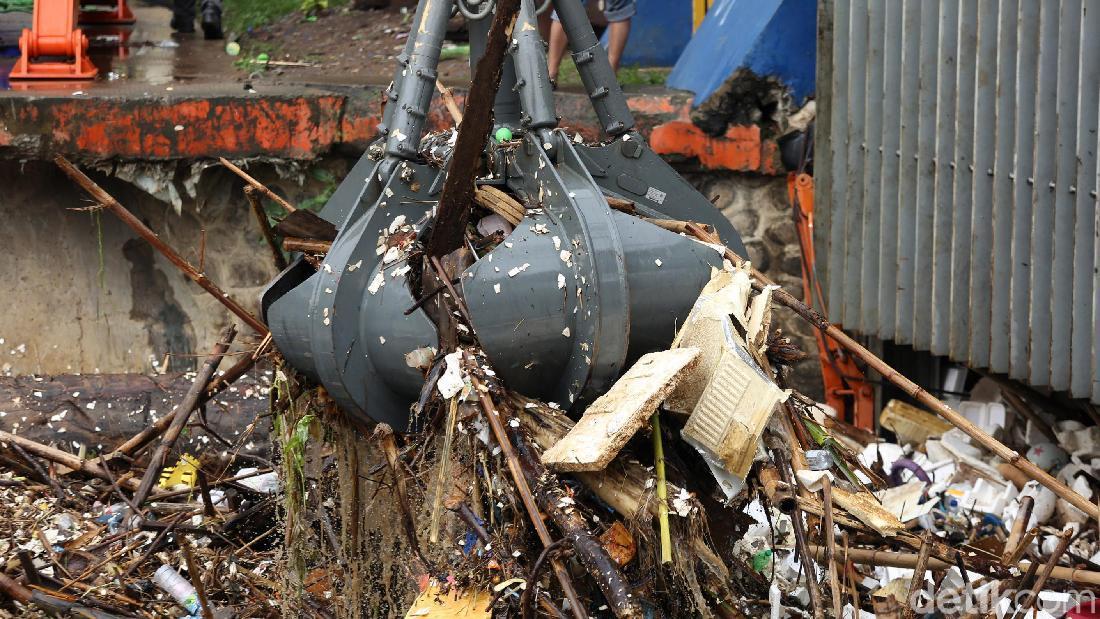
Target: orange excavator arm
column 846, row 388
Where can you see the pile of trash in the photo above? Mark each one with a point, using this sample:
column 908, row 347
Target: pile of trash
column 702, row 484
column 157, row 525
column 699, row 483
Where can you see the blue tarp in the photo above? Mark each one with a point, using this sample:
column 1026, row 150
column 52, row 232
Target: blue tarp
column 771, row 37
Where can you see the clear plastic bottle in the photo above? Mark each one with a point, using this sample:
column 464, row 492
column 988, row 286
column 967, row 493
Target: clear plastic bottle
column 168, row 579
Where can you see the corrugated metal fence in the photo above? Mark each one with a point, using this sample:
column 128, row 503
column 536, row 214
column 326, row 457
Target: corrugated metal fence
column 957, row 180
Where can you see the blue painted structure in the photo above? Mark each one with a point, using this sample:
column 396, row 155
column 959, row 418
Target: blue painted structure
column 770, row 37
column 658, row 33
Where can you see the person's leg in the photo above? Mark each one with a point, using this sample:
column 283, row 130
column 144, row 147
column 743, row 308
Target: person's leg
column 617, row 34
column 618, row 13
column 558, row 43
column 183, row 16
column 212, row 19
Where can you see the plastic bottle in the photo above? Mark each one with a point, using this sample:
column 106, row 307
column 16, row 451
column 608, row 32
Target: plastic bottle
column 168, row 579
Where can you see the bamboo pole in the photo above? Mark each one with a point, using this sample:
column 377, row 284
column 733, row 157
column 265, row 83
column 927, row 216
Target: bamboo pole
column 662, row 489
column 257, row 185
column 885, row 558
column 128, row 218
column 1023, row 515
column 914, row 390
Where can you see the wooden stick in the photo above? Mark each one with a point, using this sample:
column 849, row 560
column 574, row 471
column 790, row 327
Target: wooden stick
column 196, row 580
column 453, row 210
column 237, row 370
column 444, row 477
column 801, row 543
column 151, row 237
column 309, row 246
column 849, row 570
column 449, row 101
column 204, row 491
column 589, row 552
column 1021, row 547
column 674, row 225
column 909, row 387
column 153, row 546
column 384, row 433
column 265, row 227
column 830, row 545
column 1055, row 557
column 1019, row 526
column 526, row 497
column 885, row 558
column 186, row 406
column 909, row 605
column 41, row 472
column 662, row 489
column 136, row 442
column 63, row 458
column 257, row 185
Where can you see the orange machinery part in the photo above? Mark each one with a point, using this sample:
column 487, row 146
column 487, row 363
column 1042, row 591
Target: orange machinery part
column 53, row 34
column 846, row 388
column 740, row 148
column 120, row 14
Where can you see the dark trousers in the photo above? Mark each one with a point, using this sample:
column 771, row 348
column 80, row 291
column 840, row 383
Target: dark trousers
column 184, row 10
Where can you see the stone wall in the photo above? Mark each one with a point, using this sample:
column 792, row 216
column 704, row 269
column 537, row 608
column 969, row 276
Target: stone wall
column 760, row 210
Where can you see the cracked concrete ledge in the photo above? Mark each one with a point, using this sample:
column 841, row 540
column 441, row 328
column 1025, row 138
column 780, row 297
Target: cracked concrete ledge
column 286, row 123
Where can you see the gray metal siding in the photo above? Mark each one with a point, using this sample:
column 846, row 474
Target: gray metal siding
column 957, row 194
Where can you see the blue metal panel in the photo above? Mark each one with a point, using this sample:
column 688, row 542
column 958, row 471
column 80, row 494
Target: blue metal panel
column 659, row 32
column 770, row 37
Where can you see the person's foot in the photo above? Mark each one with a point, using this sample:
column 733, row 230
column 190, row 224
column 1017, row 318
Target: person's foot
column 212, row 21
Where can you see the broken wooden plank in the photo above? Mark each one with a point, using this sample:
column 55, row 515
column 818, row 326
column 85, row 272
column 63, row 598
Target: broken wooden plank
column 453, row 210
column 500, row 203
column 864, row 507
column 617, row 415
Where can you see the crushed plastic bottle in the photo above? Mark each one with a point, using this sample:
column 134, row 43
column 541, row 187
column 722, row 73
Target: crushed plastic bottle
column 182, row 591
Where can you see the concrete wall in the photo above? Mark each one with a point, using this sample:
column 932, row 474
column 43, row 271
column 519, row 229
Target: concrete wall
column 84, row 294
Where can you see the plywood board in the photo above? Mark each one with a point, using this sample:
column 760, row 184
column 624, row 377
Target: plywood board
column 617, row 415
